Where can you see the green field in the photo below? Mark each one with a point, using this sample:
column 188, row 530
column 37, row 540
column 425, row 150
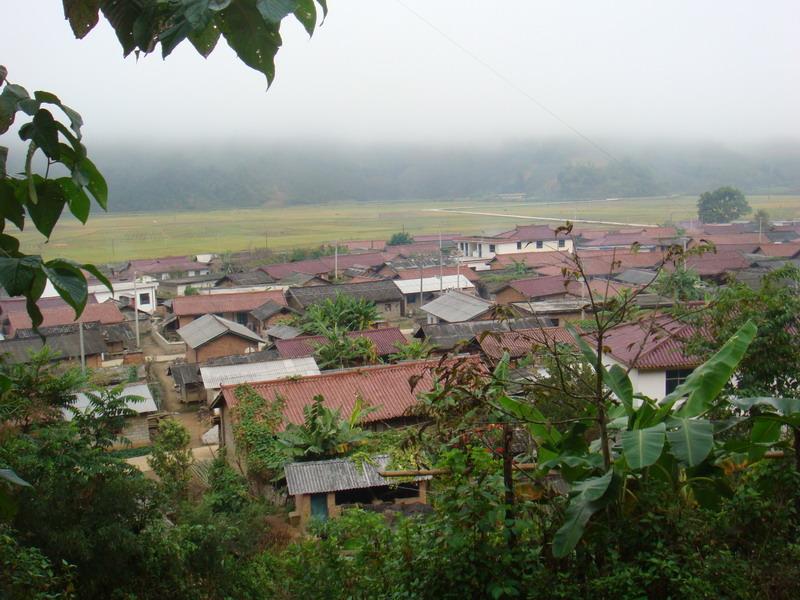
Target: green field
column 117, row 237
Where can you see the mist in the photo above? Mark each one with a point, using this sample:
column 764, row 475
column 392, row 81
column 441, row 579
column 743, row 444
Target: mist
column 450, row 73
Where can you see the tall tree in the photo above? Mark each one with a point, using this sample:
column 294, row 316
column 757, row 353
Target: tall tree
column 722, row 205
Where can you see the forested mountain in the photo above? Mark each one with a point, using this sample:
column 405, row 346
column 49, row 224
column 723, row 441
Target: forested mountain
column 206, row 176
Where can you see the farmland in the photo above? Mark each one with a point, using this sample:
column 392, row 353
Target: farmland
column 121, row 236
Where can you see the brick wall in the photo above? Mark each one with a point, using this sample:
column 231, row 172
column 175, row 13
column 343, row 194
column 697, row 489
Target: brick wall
column 227, row 345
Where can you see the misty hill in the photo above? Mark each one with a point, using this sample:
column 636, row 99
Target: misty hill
column 207, row 176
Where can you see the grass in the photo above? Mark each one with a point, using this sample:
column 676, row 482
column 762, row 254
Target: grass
column 121, row 236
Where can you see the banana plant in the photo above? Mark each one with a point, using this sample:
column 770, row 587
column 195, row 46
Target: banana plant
column 644, row 434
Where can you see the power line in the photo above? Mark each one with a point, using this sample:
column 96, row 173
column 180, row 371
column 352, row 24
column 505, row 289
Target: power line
column 508, row 81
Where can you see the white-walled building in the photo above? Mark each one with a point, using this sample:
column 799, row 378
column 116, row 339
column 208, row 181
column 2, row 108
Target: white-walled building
column 142, row 293
column 523, row 238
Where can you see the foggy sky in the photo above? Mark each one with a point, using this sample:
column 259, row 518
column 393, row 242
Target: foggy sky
column 725, row 70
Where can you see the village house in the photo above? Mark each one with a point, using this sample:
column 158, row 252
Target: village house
column 245, row 279
column 321, row 488
column 384, row 387
column 384, row 293
column 429, row 287
column 463, row 337
column 215, row 376
column 164, row 268
column 211, row 336
column 557, row 287
column 105, row 313
column 232, row 306
column 326, row 267
column 455, row 306
column 65, row 347
column 522, row 239
column 385, row 339
column 189, row 380
column 136, row 428
column 262, row 318
column 179, row 286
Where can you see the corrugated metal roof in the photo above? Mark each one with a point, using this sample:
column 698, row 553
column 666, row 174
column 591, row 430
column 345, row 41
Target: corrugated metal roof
column 268, row 309
column 659, row 344
column 433, row 284
column 385, row 387
column 385, row 340
column 222, row 303
column 64, row 346
column 215, row 377
column 137, row 389
column 378, row 291
column 283, row 332
column 209, row 327
column 445, row 336
column 104, row 312
column 322, row 476
column 455, row 307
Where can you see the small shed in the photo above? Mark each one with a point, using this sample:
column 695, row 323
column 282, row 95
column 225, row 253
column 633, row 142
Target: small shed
column 320, row 488
column 455, row 307
column 212, row 336
column 136, row 428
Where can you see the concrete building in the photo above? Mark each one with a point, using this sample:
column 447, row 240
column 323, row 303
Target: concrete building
column 521, row 239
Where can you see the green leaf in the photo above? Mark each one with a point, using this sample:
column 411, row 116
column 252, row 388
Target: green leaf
column 17, row 274
column 691, row 441
column 306, row 13
column 642, row 447
column 254, row 40
column 9, row 99
column 9, row 205
column 764, row 434
column 706, row 382
column 82, row 15
column 99, row 274
column 47, row 210
column 69, row 282
column 785, row 406
column 536, row 422
column 11, row 477
column 589, row 500
column 77, row 199
column 275, row 10
column 76, row 121
column 96, row 182
column 43, row 131
column 3, row 160
column 619, row 383
column 121, row 15
column 205, row 40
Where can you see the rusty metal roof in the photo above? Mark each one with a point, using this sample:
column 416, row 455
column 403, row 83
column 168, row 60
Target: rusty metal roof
column 223, row 303
column 385, row 387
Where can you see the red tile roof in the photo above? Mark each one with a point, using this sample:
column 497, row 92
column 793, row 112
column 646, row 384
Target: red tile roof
column 541, row 287
column 717, row 263
column 17, row 303
column 385, row 387
column 105, row 312
column 789, row 250
column 326, row 264
column 223, row 303
column 520, row 342
column 659, row 345
column 733, row 238
column 385, row 340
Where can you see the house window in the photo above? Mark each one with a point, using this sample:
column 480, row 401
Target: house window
column 539, row 245
column 519, row 245
column 562, row 243
column 387, row 307
column 480, row 250
column 675, row 377
column 491, row 247
column 191, row 273
column 144, row 299
column 241, row 318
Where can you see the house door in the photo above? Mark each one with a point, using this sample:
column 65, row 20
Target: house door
column 319, row 506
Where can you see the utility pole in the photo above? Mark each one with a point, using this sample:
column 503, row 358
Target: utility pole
column 336, row 260
column 136, row 311
column 441, row 266
column 82, row 349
